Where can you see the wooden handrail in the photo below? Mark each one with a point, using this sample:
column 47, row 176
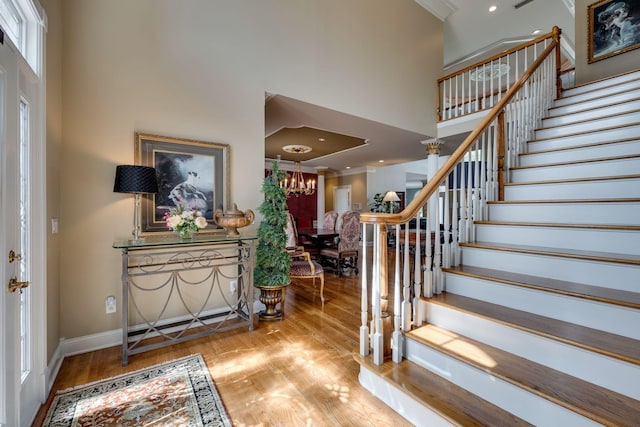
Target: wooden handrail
column 434, row 183
column 552, row 35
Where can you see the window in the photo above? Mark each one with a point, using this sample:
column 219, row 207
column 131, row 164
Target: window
column 22, row 21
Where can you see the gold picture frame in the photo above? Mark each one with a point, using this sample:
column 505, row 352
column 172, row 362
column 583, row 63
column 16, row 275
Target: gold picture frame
column 614, row 28
column 192, row 173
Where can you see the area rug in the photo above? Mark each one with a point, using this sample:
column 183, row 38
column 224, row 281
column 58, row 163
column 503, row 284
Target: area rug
column 176, row 393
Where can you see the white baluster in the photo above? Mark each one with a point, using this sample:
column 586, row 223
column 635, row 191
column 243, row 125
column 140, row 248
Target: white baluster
column 417, row 276
column 397, row 334
column 378, row 333
column 455, row 249
column 364, row 329
column 406, row 280
column 428, row 259
column 446, row 250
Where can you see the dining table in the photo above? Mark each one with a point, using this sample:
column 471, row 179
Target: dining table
column 318, row 236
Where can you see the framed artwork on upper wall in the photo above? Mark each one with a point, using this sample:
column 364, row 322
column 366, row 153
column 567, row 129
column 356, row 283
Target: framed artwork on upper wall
column 192, row 173
column 614, row 28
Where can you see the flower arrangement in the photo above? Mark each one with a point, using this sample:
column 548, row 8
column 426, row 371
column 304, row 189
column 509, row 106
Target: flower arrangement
column 185, row 222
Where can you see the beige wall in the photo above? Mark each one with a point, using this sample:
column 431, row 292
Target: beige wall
column 358, row 183
column 199, row 69
column 586, row 72
column 54, row 143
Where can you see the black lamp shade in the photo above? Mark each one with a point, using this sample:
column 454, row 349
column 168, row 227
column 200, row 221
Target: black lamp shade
column 135, row 179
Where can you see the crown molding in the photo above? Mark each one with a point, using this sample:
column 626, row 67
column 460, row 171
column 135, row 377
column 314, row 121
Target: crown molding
column 438, row 8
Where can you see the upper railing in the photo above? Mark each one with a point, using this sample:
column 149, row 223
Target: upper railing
column 453, row 198
column 480, row 86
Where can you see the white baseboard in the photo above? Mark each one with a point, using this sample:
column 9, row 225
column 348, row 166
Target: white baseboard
column 101, row 340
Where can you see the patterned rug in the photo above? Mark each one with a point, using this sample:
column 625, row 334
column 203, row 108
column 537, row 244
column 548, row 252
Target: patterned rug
column 176, row 393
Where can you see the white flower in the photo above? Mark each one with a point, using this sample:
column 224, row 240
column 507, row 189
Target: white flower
column 183, row 220
column 201, row 222
column 174, row 221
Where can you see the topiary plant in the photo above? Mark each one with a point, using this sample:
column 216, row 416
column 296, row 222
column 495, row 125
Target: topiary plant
column 272, row 260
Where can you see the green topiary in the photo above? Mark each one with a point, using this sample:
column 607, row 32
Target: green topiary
column 272, row 261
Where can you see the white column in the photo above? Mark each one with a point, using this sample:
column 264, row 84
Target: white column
column 320, row 195
column 433, row 154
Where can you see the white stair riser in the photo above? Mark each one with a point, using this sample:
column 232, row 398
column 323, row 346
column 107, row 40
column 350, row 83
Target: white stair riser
column 618, row 213
column 592, row 314
column 403, row 404
column 529, row 407
column 610, row 83
column 614, row 167
column 625, row 132
column 587, row 108
column 587, row 239
column 593, row 114
column 597, row 273
column 602, row 123
column 598, row 93
column 613, row 374
column 579, row 190
column 583, row 153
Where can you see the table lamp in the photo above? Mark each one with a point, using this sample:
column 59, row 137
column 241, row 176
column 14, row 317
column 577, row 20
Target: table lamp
column 391, row 196
column 138, row 180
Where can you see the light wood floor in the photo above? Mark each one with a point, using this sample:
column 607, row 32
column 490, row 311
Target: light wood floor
column 295, row 372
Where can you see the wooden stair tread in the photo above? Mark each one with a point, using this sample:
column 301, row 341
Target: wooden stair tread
column 612, row 345
column 575, row 147
column 552, row 201
column 557, row 181
column 622, row 113
column 578, row 162
column 562, row 225
column 602, row 107
column 585, row 132
column 592, row 401
column 443, row 397
column 612, row 92
column 566, row 253
column 580, row 290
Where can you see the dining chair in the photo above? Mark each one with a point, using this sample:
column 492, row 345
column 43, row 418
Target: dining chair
column 329, row 220
column 344, row 255
column 302, row 266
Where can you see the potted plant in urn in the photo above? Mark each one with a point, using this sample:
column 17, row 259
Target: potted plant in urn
column 271, row 274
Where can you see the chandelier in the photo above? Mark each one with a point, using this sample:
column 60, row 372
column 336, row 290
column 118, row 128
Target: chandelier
column 296, row 184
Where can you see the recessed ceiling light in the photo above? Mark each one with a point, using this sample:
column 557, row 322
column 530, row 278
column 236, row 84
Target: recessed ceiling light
column 348, row 167
column 492, row 8
column 321, row 139
column 380, row 161
column 536, row 31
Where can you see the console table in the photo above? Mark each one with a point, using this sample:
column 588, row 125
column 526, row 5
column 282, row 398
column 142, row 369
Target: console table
column 175, row 290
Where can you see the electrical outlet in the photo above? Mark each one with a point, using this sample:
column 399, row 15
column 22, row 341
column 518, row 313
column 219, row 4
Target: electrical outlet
column 110, row 304
column 233, row 286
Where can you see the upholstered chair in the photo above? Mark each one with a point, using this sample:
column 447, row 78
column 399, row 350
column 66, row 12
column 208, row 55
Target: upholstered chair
column 302, row 266
column 345, row 254
column 329, row 220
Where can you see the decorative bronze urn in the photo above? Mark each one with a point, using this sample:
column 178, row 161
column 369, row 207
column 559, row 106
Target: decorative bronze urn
column 233, row 219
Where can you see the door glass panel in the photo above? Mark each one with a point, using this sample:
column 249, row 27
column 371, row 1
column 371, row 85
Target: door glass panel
column 12, row 22
column 25, row 306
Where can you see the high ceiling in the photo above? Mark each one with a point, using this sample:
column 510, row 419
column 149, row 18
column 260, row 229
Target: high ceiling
column 470, row 35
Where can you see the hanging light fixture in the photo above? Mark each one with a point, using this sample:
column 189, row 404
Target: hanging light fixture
column 295, row 184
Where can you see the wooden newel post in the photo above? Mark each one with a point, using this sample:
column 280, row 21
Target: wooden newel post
column 500, row 143
column 556, row 38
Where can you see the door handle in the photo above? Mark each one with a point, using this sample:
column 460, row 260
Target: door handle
column 15, row 284
column 14, row 256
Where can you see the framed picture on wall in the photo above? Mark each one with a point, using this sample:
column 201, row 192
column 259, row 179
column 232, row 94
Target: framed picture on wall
column 614, row 28
column 192, row 173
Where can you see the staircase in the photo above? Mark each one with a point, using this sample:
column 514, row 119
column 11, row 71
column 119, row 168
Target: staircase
column 540, row 323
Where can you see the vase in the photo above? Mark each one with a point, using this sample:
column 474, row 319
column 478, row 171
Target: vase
column 185, row 234
column 270, row 297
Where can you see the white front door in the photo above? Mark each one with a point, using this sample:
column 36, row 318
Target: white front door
column 22, row 263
